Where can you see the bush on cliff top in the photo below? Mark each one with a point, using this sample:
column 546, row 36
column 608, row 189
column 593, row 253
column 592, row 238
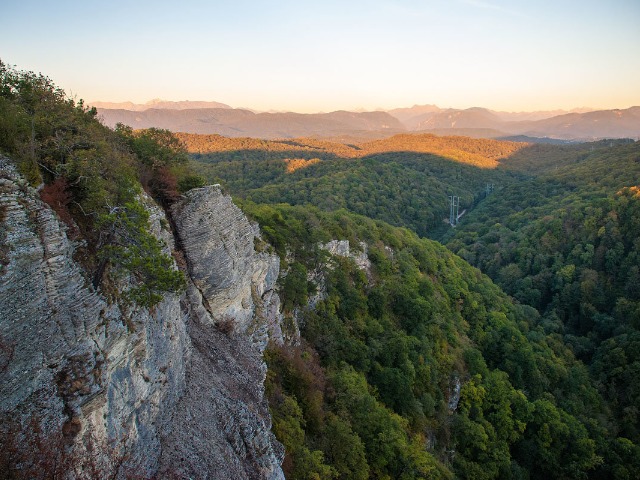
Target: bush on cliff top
column 92, row 178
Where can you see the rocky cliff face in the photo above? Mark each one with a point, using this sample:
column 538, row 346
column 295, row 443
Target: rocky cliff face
column 93, row 388
column 342, row 248
column 235, row 282
column 222, row 424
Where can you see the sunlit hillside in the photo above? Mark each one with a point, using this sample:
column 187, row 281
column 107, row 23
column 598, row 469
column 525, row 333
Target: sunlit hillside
column 405, row 180
column 484, row 153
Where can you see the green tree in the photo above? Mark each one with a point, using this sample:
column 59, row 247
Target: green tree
column 131, row 247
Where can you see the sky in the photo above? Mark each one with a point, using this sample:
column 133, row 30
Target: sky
column 303, row 56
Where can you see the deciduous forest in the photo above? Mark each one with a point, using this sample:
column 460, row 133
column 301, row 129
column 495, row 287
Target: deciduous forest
column 547, row 370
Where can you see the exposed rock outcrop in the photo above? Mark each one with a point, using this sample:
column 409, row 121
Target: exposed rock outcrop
column 122, row 390
column 338, row 248
column 221, row 426
column 342, row 248
column 234, row 280
column 222, row 422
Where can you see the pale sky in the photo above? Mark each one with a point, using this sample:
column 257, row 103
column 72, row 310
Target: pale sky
column 326, row 55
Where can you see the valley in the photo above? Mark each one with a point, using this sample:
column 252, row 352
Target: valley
column 382, row 240
column 558, row 233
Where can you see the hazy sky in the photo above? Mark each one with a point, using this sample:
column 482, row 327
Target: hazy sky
column 326, row 55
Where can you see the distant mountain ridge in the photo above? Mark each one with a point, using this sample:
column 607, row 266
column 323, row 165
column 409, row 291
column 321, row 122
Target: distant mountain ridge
column 590, row 125
column 411, row 117
column 244, row 123
column 158, row 103
column 217, row 118
column 582, row 124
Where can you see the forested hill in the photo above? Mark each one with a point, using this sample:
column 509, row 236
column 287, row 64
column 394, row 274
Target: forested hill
column 559, row 232
column 404, row 180
column 418, row 366
column 483, row 153
column 567, row 243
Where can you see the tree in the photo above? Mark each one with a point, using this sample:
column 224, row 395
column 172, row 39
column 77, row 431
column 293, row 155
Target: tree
column 128, row 245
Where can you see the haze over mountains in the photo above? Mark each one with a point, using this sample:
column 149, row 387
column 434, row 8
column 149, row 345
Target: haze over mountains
column 244, row 123
column 159, row 103
column 218, row 118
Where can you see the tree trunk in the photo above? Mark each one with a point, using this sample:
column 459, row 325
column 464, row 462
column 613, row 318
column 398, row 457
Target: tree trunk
column 97, row 277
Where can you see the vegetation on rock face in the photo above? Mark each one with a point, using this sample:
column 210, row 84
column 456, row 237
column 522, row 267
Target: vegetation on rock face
column 91, row 177
column 129, row 245
column 384, row 354
column 162, row 162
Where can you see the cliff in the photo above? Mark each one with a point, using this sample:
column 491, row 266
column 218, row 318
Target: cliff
column 94, row 387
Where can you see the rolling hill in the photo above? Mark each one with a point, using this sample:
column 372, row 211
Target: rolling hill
column 403, row 180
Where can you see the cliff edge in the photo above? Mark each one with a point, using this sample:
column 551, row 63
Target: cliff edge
column 92, row 386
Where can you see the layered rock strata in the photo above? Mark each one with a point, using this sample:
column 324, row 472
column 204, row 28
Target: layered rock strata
column 94, row 388
column 222, row 422
column 236, row 282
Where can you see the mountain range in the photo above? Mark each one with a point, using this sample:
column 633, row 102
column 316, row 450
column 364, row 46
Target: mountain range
column 218, row 118
column 245, row 123
column 159, row 103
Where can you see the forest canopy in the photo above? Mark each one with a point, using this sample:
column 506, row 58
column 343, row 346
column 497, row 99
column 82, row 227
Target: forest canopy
column 385, row 352
column 558, row 231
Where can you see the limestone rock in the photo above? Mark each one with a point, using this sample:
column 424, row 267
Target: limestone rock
column 76, row 363
column 342, row 248
column 121, row 389
column 339, row 248
column 221, row 427
column 236, row 282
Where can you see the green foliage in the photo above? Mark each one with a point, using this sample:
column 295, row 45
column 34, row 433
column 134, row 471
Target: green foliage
column 130, row 246
column 295, row 387
column 560, row 235
column 153, row 146
column 391, row 350
column 493, row 416
column 39, row 126
column 191, row 181
column 303, row 463
column 163, row 168
column 566, row 243
column 345, row 451
column 294, row 288
column 91, row 178
column 404, row 180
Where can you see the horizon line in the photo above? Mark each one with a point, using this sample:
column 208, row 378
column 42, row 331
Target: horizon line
column 150, row 105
